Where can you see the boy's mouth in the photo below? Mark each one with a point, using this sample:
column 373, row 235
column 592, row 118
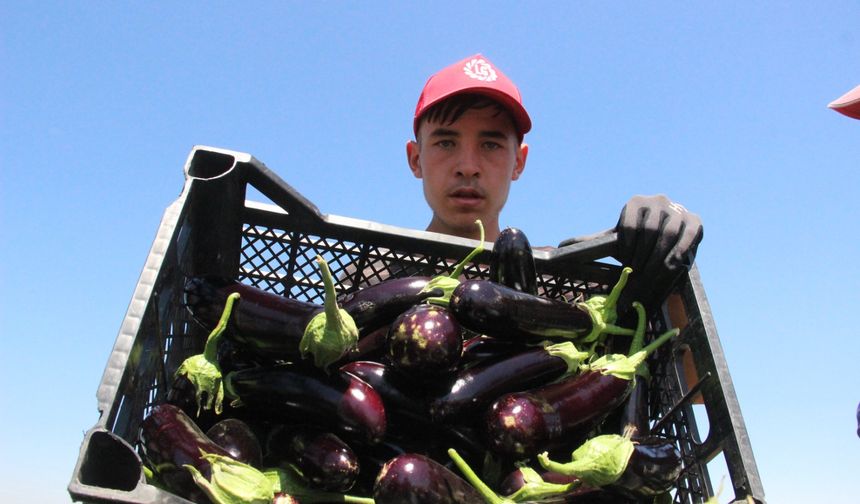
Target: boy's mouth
column 466, row 196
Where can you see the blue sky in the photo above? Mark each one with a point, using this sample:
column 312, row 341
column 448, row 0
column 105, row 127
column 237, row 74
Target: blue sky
column 720, row 105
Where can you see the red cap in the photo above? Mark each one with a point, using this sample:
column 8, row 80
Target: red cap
column 475, row 74
column 848, row 104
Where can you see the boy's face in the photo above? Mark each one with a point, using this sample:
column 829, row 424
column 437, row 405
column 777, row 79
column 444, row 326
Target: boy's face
column 467, row 168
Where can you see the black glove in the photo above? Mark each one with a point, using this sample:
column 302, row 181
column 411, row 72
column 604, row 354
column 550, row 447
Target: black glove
column 658, row 239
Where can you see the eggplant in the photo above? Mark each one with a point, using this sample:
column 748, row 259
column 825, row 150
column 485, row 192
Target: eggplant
column 325, row 461
column 425, row 342
column 482, row 347
column 633, row 415
column 170, row 440
column 277, row 327
column 370, row 347
column 512, row 263
column 400, row 397
column 285, row 498
column 269, row 324
column 233, row 356
column 487, row 307
column 412, row 478
column 523, row 423
column 378, row 305
column 653, row 468
column 237, row 438
column 295, row 391
column 476, row 387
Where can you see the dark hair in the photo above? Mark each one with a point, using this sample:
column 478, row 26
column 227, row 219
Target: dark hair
column 450, row 109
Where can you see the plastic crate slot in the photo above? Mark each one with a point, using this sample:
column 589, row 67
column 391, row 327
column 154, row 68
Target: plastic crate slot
column 110, row 463
column 206, row 165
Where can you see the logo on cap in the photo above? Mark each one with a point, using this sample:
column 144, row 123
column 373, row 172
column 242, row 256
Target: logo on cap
column 480, row 69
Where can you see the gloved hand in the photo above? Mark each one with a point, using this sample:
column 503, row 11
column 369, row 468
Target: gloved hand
column 658, row 239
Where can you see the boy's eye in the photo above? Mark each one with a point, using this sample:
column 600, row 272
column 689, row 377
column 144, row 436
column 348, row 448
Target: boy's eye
column 445, row 144
column 492, row 145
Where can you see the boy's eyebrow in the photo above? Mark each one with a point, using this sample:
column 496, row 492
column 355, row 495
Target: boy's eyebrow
column 444, row 132
column 438, row 132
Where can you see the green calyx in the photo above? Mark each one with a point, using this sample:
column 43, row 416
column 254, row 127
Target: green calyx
column 604, row 312
column 628, row 366
column 233, row 482
column 598, row 462
column 287, row 480
column 568, row 352
column 447, row 283
column 202, row 370
column 332, row 332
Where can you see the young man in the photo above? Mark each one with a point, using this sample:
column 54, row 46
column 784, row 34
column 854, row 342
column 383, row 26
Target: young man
column 469, row 127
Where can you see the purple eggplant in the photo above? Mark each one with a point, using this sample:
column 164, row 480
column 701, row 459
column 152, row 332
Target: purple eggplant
column 325, row 461
column 425, row 342
column 512, row 263
column 276, row 327
column 476, row 387
column 270, row 324
column 482, row 347
column 295, row 391
column 524, row 423
column 237, row 438
column 370, row 347
column 400, row 397
column 415, row 479
column 378, row 305
column 487, row 307
column 653, row 468
column 170, row 440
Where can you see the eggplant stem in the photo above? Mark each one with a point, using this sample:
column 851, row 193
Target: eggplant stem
column 330, row 300
column 458, row 270
column 639, row 335
column 490, row 497
column 615, row 293
column 638, row 358
column 210, row 351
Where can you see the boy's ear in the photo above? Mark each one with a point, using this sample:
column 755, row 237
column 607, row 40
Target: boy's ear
column 522, row 154
column 413, row 157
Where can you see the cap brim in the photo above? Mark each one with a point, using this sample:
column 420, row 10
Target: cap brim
column 848, row 104
column 523, row 122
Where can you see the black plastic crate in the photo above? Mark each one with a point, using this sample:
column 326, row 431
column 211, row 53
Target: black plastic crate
column 211, row 228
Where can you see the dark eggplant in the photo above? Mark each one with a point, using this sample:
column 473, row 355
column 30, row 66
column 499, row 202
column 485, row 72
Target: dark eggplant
column 482, row 347
column 633, row 415
column 378, row 305
column 370, row 347
column 325, row 461
column 512, row 263
column 285, row 498
column 653, row 468
column 476, row 387
column 487, row 307
column 401, row 397
column 425, row 342
column 170, row 440
column 277, row 327
column 415, row 479
column 237, row 438
column 270, row 324
column 524, row 423
column 233, row 356
column 338, row 399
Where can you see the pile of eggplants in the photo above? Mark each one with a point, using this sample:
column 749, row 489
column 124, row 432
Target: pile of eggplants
column 446, row 397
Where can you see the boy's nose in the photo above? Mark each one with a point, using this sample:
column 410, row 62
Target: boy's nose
column 469, row 163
